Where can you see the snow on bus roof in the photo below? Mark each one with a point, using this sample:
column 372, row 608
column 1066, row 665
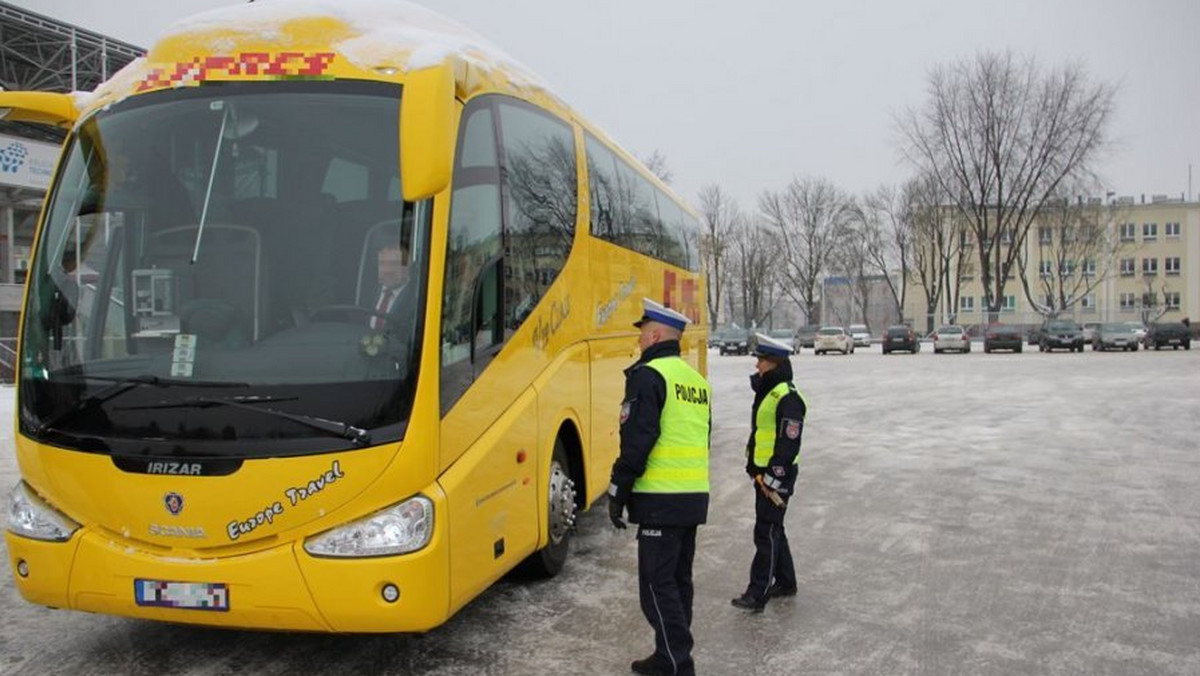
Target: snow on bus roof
column 396, row 30
column 395, row 33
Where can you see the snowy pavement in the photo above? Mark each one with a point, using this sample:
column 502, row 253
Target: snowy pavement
column 957, row 514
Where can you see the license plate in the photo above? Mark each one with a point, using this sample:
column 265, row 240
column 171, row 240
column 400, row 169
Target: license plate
column 185, row 595
column 1173, row 341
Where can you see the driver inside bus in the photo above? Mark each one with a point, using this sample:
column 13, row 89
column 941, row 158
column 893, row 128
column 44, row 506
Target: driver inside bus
column 393, row 262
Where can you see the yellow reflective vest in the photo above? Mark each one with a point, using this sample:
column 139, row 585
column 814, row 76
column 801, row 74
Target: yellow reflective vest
column 765, row 427
column 678, row 462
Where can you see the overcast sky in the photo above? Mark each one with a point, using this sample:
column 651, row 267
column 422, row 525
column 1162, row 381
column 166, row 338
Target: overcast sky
column 748, row 94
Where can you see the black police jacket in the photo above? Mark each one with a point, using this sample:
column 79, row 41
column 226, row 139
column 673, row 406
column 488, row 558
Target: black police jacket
column 791, row 410
column 645, row 396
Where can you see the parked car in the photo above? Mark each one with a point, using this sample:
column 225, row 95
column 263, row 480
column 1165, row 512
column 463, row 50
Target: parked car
column 806, row 336
column 1090, row 329
column 1116, row 336
column 1002, row 337
column 1139, row 329
column 715, row 337
column 951, row 337
column 735, row 341
column 900, row 337
column 1034, row 335
column 785, row 336
column 833, row 339
column 1168, row 334
column 1060, row 334
column 861, row 335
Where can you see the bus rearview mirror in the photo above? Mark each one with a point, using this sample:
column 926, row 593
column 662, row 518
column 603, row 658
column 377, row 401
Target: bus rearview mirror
column 38, row 108
column 426, row 132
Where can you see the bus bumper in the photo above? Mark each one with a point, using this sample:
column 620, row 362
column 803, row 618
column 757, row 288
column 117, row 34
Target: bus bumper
column 282, row 588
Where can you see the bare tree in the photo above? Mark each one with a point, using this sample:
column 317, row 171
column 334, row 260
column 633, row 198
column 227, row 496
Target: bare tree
column 851, row 259
column 1002, row 136
column 939, row 257
column 960, row 266
column 657, row 164
column 753, row 248
column 809, row 216
column 888, row 221
column 1153, row 303
column 719, row 215
column 1076, row 250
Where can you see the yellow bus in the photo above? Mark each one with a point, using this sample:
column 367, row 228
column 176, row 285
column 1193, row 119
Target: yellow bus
column 221, row 419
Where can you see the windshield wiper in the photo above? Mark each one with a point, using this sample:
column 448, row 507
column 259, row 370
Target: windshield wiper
column 120, row 385
column 359, row 436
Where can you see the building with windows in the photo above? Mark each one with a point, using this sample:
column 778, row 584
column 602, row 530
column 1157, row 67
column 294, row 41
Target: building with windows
column 1142, row 263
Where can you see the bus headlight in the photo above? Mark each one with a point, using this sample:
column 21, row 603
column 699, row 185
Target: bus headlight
column 398, row 529
column 30, row 516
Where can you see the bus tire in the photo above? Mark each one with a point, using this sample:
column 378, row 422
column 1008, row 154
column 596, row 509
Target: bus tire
column 547, row 561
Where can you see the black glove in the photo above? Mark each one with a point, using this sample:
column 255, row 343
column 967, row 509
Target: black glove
column 751, row 469
column 616, row 505
column 616, row 510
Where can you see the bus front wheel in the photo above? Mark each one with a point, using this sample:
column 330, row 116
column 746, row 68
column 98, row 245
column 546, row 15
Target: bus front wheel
column 547, row 561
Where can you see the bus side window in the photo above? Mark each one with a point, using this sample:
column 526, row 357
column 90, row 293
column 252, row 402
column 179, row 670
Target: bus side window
column 473, row 241
column 541, row 200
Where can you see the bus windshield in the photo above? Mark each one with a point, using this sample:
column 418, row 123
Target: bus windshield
column 228, row 270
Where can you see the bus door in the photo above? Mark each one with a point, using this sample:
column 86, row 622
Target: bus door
column 512, row 222
column 492, row 515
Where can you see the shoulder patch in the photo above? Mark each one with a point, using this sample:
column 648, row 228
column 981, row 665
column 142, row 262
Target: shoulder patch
column 626, row 408
column 791, row 427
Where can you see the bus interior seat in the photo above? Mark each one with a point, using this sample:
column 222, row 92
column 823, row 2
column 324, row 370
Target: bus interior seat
column 378, row 236
column 350, row 223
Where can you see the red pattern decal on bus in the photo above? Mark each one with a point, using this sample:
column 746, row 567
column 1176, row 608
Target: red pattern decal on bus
column 247, row 64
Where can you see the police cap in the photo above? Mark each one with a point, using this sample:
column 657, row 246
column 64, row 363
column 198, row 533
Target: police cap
column 769, row 347
column 655, row 312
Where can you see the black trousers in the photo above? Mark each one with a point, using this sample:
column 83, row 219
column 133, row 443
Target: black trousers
column 772, row 555
column 665, row 556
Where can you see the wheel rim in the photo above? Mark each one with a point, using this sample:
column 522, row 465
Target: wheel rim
column 562, row 503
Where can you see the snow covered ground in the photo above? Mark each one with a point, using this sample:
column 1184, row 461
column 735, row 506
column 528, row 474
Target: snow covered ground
column 957, row 514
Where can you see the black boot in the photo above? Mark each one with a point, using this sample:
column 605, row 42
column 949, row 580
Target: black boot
column 775, row 591
column 748, row 602
column 649, row 666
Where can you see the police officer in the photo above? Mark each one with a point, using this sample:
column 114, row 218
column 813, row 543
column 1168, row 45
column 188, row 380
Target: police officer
column 772, row 456
column 661, row 476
